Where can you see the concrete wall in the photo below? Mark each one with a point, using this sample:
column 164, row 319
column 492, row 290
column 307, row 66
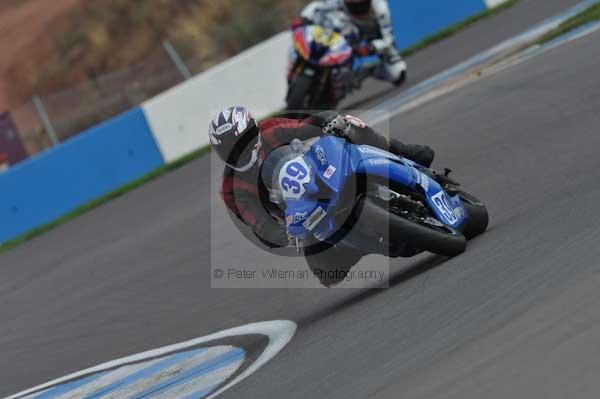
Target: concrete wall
column 179, row 118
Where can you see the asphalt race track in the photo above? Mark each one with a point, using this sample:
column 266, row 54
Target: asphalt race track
column 515, row 316
column 479, row 37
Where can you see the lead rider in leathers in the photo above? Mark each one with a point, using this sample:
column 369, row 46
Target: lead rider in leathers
column 243, row 143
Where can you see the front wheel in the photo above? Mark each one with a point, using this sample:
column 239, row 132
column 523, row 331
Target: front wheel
column 478, row 219
column 425, row 233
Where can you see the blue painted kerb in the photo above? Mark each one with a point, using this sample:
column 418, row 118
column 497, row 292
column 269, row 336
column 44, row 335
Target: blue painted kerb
column 94, row 163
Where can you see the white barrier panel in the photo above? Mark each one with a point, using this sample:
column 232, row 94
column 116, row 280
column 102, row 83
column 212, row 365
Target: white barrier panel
column 179, row 118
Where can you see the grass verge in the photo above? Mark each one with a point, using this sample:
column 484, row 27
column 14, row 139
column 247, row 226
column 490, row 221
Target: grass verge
column 444, row 34
column 104, row 199
column 454, row 29
column 590, row 15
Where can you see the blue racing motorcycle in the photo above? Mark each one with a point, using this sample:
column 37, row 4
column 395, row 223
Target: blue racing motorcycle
column 371, row 201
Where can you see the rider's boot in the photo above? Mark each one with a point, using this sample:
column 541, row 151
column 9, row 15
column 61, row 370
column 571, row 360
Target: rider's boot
column 421, row 154
column 394, row 67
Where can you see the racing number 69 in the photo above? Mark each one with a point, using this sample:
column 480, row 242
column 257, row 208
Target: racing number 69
column 444, row 207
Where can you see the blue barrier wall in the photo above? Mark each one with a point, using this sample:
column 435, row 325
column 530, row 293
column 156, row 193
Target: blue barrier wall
column 81, row 169
column 415, row 20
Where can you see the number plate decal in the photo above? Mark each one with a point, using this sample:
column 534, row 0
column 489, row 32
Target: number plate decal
column 293, row 178
column 441, row 202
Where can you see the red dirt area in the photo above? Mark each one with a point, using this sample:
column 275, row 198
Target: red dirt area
column 22, row 23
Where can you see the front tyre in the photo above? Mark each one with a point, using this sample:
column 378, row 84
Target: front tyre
column 416, row 232
column 478, row 219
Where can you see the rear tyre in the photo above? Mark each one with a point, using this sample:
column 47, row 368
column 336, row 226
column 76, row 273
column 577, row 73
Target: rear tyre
column 298, row 93
column 441, row 240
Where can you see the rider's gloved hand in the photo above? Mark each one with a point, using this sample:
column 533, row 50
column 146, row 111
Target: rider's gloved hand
column 338, row 126
column 386, row 50
column 380, row 46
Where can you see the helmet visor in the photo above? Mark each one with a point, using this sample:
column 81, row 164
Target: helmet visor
column 248, row 155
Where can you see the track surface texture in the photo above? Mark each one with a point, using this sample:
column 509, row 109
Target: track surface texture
column 515, row 316
column 464, row 44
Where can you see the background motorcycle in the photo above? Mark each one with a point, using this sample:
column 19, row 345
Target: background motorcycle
column 325, row 68
column 371, row 201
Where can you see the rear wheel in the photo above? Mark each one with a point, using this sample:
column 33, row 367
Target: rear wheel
column 299, row 93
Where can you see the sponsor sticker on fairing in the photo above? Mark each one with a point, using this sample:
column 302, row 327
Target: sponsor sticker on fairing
column 320, row 153
column 329, row 172
column 365, row 149
column 296, row 218
column 379, row 162
column 313, row 220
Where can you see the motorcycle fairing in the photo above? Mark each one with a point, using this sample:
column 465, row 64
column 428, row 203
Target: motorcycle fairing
column 376, row 162
column 366, row 62
column 321, row 46
column 330, row 167
column 333, row 161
